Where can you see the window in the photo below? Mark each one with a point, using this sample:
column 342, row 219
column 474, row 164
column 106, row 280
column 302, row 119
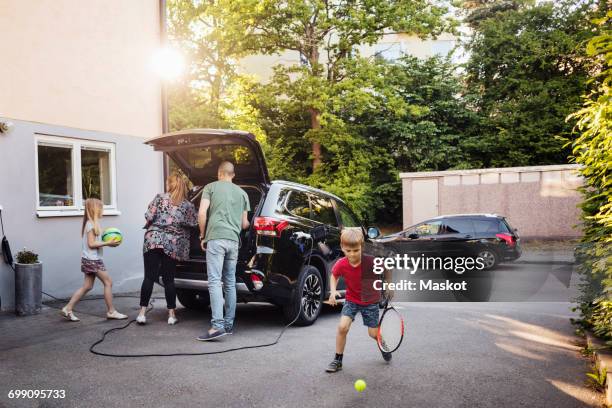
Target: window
column 347, row 218
column 486, row 225
column 322, row 211
column 69, row 171
column 428, row 228
column 298, row 204
column 388, row 51
column 458, row 226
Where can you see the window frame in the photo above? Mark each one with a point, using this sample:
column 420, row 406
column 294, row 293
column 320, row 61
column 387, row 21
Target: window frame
column 76, row 145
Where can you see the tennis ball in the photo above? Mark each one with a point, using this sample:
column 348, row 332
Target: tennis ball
column 360, row 385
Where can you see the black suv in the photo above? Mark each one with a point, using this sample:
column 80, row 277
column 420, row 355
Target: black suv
column 275, row 264
column 488, row 236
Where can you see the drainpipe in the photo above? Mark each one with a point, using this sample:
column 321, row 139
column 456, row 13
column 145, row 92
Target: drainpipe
column 164, row 93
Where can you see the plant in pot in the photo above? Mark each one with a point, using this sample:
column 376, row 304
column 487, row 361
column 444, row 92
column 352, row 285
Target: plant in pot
column 28, row 283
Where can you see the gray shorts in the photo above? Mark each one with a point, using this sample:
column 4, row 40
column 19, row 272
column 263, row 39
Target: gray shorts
column 369, row 313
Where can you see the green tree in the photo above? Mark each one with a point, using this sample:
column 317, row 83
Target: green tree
column 326, row 34
column 527, row 70
column 593, row 150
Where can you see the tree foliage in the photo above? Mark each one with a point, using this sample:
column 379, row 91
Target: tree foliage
column 593, row 150
column 528, row 69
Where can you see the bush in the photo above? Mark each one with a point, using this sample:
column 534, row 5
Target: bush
column 27, row 257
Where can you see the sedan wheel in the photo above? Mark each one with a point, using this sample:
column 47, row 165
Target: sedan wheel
column 489, row 258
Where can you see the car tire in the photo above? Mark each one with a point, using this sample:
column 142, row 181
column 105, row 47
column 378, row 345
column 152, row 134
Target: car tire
column 307, row 298
column 490, row 258
column 193, row 299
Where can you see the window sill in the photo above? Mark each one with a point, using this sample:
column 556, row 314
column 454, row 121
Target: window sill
column 71, row 213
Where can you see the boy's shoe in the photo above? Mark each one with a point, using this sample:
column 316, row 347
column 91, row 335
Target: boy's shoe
column 335, row 365
column 211, row 336
column 385, row 354
column 69, row 315
column 141, row 319
column 172, row 320
column 116, row 315
column 229, row 330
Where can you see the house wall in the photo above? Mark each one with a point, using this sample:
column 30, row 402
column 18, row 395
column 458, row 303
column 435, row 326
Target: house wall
column 57, row 239
column 540, row 201
column 81, row 64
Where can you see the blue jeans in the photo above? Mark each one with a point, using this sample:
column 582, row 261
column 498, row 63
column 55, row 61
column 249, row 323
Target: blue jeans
column 221, row 257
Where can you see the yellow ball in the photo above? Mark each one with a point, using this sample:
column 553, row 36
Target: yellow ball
column 360, row 385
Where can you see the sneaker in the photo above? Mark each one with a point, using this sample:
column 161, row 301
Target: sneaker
column 172, row 320
column 211, row 336
column 229, row 330
column 335, row 365
column 116, row 315
column 141, row 319
column 385, row 354
column 69, row 315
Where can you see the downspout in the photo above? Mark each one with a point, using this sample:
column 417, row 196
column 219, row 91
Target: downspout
column 164, row 94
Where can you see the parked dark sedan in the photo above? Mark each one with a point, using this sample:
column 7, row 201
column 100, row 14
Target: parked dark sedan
column 274, row 264
column 486, row 236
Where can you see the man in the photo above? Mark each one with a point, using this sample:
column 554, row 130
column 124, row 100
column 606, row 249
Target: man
column 224, row 205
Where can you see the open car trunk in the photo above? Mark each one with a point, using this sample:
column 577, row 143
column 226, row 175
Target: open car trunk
column 199, row 152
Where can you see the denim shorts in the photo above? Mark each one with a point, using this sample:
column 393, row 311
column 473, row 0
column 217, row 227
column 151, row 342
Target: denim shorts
column 369, row 313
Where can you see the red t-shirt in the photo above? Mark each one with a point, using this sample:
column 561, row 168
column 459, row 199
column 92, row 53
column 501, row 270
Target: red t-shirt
column 356, row 280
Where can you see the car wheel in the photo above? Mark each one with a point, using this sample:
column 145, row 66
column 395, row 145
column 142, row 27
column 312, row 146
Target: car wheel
column 489, row 258
column 307, row 299
column 193, row 299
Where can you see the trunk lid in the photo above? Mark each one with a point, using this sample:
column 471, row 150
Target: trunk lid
column 198, row 153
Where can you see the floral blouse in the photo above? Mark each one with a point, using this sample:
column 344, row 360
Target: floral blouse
column 169, row 226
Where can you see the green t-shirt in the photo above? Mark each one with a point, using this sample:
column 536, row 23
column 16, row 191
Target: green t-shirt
column 227, row 203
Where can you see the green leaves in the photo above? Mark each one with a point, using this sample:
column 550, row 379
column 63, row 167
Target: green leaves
column 593, row 150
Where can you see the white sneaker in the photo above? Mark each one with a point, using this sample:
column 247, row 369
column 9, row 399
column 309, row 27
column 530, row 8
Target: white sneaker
column 172, row 320
column 116, row 315
column 141, row 319
column 69, row 315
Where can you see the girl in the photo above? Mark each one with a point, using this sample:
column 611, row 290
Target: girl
column 170, row 218
column 91, row 262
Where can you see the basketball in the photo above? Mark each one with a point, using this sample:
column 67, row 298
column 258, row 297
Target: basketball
column 112, row 234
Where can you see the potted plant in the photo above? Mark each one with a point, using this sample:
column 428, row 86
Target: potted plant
column 28, row 283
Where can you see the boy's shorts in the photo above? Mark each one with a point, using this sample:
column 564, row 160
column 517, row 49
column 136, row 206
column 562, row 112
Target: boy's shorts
column 369, row 313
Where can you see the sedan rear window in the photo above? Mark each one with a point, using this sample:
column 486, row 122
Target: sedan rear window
column 487, row 225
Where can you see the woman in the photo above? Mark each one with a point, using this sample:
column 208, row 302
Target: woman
column 170, row 217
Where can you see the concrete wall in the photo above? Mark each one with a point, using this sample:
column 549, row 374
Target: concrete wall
column 540, row 201
column 57, row 240
column 81, row 64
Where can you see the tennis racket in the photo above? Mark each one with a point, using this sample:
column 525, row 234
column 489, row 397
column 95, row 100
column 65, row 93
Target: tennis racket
column 390, row 328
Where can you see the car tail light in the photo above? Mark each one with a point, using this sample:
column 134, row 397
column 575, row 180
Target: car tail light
column 508, row 238
column 257, row 283
column 269, row 226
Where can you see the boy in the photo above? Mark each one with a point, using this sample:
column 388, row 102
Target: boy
column 361, row 297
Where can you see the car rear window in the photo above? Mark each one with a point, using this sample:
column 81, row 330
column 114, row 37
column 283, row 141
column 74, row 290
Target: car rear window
column 322, row 211
column 212, row 156
column 457, row 226
column 483, row 226
column 298, row 204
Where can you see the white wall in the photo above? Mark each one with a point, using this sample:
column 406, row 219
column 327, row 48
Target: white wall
column 82, row 64
column 58, row 240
